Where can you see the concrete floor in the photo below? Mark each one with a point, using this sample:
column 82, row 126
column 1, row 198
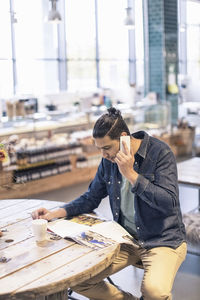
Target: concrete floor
column 187, row 281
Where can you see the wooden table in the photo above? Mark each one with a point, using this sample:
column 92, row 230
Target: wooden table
column 189, row 173
column 42, row 271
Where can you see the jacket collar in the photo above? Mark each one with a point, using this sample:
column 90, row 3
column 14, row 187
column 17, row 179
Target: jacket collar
column 142, row 151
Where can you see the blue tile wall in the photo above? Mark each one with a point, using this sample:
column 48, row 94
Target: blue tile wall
column 162, row 48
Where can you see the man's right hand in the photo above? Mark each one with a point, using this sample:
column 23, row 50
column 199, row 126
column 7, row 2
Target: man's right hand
column 43, row 213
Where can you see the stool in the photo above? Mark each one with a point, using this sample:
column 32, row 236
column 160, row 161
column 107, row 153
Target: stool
column 192, row 226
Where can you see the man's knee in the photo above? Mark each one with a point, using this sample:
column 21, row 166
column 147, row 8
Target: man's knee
column 154, row 291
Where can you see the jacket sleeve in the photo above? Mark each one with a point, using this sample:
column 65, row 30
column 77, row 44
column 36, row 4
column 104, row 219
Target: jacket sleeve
column 91, row 199
column 161, row 190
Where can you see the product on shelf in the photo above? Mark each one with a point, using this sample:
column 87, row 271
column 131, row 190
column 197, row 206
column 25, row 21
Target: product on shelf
column 42, row 171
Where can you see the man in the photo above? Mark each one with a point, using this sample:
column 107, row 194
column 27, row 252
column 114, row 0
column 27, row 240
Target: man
column 143, row 193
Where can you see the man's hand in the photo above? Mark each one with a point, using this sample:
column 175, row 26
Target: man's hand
column 43, row 213
column 125, row 161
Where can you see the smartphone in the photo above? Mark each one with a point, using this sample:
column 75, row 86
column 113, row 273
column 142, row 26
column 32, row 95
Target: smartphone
column 127, row 140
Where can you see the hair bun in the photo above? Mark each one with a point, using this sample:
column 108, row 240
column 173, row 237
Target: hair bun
column 112, row 111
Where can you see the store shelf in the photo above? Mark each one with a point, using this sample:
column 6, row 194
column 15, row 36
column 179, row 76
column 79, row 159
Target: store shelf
column 39, row 127
column 76, row 176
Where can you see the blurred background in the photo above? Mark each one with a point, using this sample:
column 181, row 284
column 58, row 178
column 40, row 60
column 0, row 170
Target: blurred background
column 64, row 62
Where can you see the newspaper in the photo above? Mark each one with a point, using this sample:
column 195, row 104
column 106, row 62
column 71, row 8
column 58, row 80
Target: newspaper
column 90, row 230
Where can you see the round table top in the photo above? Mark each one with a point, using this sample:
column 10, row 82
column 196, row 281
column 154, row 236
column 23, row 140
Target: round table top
column 29, row 269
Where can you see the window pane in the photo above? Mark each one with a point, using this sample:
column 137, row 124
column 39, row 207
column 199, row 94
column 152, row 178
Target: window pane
column 139, row 36
column 193, row 53
column 114, row 74
column 113, row 35
column 193, row 38
column 5, row 30
column 80, row 29
column 82, row 75
column 113, row 43
column 37, row 76
column 139, row 44
column 34, row 38
column 6, row 79
column 140, row 72
column 193, row 12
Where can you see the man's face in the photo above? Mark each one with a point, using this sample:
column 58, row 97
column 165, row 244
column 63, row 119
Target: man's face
column 108, row 147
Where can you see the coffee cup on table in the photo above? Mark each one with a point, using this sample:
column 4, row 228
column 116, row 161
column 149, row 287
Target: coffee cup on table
column 39, row 227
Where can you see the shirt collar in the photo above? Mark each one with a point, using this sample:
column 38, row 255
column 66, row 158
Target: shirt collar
column 142, row 151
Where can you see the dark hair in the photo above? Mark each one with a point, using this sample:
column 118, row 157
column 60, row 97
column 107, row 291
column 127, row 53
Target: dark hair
column 111, row 124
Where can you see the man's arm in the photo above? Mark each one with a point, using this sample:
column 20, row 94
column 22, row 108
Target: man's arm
column 91, row 199
column 161, row 191
column 86, row 203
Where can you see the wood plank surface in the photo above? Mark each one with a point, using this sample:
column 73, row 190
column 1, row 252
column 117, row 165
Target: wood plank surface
column 41, row 268
column 69, row 274
column 28, row 252
column 43, row 271
column 21, row 206
column 10, row 202
column 24, row 214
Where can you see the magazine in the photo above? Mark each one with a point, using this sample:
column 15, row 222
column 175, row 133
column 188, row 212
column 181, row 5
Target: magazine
column 90, row 230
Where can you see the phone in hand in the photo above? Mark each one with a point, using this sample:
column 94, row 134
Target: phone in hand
column 127, row 140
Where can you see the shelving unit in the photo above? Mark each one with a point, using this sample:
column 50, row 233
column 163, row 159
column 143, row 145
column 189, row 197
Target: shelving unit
column 76, row 176
column 65, row 166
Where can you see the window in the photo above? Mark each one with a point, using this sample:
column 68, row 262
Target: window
column 193, row 38
column 36, row 47
column 113, row 44
column 189, row 49
column 34, row 59
column 80, row 37
column 139, row 44
column 6, row 75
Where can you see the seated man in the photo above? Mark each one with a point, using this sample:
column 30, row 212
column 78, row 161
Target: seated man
column 143, row 192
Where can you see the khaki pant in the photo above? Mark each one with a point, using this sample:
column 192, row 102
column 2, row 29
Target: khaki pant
column 160, row 267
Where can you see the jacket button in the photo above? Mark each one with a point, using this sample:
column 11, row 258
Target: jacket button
column 108, row 182
column 117, row 198
column 138, row 227
column 119, row 182
column 116, row 214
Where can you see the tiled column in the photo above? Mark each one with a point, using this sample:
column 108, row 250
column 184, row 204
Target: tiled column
column 161, row 49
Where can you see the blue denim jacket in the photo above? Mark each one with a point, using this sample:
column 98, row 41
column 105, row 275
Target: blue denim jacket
column 157, row 210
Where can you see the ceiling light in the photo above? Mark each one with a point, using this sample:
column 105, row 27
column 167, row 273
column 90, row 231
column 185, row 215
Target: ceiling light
column 54, row 15
column 129, row 21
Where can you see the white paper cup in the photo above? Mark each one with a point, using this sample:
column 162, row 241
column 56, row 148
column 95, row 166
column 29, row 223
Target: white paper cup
column 39, row 227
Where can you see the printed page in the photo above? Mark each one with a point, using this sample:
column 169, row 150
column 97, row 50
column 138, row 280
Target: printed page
column 91, row 231
column 112, row 229
column 75, row 225
column 66, row 228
